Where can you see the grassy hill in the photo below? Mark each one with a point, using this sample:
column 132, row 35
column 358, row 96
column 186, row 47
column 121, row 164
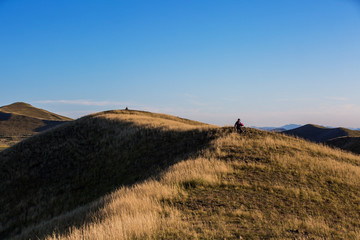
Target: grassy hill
column 138, row 175
column 78, row 162
column 21, row 120
column 342, row 138
column 317, row 133
column 28, row 110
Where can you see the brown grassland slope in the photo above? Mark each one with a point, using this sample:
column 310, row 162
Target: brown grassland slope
column 28, row 110
column 21, row 120
column 78, row 162
column 138, row 175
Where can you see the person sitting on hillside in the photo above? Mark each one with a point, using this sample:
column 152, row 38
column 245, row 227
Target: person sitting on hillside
column 238, row 126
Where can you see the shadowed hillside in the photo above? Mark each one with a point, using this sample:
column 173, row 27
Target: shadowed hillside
column 351, row 144
column 172, row 178
column 21, row 120
column 52, row 173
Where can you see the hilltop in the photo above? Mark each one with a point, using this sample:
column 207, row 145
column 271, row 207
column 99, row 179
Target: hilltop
column 28, row 110
column 131, row 174
column 21, row 120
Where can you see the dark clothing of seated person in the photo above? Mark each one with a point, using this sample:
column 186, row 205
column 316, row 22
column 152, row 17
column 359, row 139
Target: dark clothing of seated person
column 238, row 126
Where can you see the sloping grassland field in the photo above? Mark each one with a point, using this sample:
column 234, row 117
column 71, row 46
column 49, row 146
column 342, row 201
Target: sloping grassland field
column 138, row 175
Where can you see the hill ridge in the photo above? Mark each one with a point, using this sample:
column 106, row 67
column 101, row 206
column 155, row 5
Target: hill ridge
column 89, row 144
column 28, row 110
column 168, row 179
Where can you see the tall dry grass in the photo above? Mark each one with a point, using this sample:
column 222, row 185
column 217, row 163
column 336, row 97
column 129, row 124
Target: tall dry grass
column 127, row 147
column 137, row 211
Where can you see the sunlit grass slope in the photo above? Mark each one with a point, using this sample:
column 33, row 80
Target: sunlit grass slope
column 28, row 110
column 170, row 178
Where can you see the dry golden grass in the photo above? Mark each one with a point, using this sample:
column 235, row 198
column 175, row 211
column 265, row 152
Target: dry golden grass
column 127, row 213
column 115, row 130
column 138, row 212
column 257, row 185
column 151, row 120
column 168, row 220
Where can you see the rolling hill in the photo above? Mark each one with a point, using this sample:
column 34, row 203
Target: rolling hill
column 21, row 120
column 28, row 110
column 317, row 133
column 343, row 138
column 139, row 175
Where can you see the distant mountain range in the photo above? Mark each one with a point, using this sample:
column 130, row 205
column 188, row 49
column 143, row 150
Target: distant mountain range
column 318, row 133
column 290, row 127
column 21, row 120
column 343, row 138
column 279, row 129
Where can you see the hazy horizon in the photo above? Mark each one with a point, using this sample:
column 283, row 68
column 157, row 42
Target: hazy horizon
column 270, row 63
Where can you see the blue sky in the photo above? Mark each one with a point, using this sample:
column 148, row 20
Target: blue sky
column 268, row 62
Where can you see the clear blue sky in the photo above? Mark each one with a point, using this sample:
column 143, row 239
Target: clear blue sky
column 268, row 62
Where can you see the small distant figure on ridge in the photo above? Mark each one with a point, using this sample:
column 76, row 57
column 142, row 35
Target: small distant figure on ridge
column 238, row 126
column 126, row 109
